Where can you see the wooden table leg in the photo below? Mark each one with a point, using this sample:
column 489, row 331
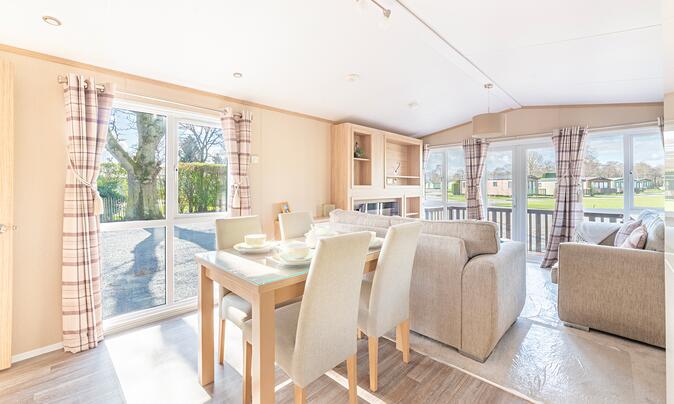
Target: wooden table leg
column 206, row 365
column 264, row 341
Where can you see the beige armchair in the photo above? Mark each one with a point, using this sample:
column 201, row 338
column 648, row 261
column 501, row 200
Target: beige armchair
column 616, row 290
column 612, row 289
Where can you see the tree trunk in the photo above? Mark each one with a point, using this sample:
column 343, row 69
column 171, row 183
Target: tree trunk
column 143, row 201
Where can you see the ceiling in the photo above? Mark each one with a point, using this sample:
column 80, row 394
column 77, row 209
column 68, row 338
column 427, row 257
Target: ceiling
column 295, row 54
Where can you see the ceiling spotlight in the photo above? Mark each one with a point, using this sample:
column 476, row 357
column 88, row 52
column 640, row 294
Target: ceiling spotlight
column 413, row 105
column 237, row 75
column 352, row 77
column 51, row 20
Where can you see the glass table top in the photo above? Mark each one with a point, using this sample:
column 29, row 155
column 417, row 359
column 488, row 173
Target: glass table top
column 258, row 269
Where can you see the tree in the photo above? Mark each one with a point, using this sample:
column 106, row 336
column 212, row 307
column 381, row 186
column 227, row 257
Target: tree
column 536, row 164
column 142, row 163
column 196, row 142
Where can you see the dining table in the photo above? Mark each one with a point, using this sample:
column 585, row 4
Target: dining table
column 264, row 282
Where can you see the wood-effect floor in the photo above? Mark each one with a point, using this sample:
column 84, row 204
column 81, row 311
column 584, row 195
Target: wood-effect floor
column 157, row 364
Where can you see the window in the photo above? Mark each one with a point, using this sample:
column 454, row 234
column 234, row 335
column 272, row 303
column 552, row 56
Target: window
column 649, row 172
column 154, row 219
column 623, row 172
column 445, row 184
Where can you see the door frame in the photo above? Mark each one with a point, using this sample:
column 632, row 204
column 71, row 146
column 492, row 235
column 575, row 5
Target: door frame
column 519, row 149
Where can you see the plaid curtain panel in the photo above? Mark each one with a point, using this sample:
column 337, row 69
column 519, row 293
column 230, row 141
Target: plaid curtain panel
column 475, row 155
column 236, row 131
column 87, row 113
column 569, row 146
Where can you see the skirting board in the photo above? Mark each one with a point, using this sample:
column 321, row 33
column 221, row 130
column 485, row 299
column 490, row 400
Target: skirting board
column 36, row 352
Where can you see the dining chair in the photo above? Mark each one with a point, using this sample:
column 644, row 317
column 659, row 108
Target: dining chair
column 317, row 334
column 385, row 298
column 232, row 307
column 294, row 224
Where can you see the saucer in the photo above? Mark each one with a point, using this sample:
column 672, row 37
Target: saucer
column 249, row 249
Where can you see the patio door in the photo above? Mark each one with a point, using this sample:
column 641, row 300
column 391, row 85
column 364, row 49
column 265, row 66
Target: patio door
column 518, row 188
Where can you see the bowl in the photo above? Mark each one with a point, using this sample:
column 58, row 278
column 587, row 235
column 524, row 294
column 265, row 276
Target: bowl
column 255, row 240
column 296, row 250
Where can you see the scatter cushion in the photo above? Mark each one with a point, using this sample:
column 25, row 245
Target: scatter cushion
column 636, row 239
column 655, row 227
column 625, row 230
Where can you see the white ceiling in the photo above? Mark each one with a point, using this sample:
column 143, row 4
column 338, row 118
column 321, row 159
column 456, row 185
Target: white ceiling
column 295, row 54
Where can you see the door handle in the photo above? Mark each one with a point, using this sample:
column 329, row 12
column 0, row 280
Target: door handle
column 4, row 228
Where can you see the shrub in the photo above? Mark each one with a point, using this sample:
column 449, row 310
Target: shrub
column 202, row 187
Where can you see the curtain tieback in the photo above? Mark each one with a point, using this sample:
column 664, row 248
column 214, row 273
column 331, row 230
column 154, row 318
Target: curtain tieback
column 98, row 201
column 235, row 193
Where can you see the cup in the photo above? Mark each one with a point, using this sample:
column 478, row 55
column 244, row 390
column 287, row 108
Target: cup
column 296, row 250
column 255, row 240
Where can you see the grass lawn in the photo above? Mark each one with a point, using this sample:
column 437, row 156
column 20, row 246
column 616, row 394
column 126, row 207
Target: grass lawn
column 648, row 199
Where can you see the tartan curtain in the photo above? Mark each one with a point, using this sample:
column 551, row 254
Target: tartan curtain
column 475, row 155
column 87, row 113
column 569, row 146
column 236, row 131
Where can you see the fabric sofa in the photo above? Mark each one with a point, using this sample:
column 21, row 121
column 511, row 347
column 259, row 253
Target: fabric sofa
column 616, row 290
column 467, row 287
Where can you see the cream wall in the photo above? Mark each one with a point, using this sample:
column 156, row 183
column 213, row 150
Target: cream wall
column 533, row 120
column 294, row 165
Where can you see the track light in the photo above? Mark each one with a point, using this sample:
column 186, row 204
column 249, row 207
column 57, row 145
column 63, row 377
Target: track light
column 385, row 11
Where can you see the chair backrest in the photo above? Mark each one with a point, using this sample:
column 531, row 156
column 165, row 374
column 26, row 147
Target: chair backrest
column 231, row 231
column 328, row 320
column 390, row 294
column 294, row 224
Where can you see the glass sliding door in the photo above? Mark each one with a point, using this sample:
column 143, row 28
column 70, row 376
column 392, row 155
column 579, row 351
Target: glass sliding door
column 155, row 219
column 445, row 184
column 541, row 182
column 498, row 186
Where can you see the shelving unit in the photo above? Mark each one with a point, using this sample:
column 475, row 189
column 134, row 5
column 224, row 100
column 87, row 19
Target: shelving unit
column 403, row 162
column 385, row 180
column 412, row 206
column 362, row 166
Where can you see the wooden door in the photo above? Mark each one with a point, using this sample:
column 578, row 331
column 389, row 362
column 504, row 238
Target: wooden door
column 6, row 209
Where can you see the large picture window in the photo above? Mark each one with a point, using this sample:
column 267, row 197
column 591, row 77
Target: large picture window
column 163, row 181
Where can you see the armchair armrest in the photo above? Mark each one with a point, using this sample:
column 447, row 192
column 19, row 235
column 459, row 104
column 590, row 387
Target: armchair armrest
column 493, row 295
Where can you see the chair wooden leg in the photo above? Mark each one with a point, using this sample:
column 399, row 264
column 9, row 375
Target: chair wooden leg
column 247, row 373
column 373, row 350
column 352, row 374
column 398, row 345
column 300, row 395
column 221, row 342
column 405, row 340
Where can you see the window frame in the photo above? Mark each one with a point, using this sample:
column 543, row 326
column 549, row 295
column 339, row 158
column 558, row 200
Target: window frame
column 172, row 217
column 628, row 136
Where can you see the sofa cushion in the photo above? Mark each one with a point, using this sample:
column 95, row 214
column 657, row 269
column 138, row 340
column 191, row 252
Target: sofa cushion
column 636, row 239
column 359, row 218
column 625, row 230
column 345, row 222
column 655, row 227
column 480, row 237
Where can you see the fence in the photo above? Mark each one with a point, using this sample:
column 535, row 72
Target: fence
column 539, row 221
column 114, row 209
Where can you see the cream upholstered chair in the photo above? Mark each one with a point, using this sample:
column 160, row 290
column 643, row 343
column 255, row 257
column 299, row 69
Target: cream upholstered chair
column 315, row 335
column 385, row 298
column 228, row 232
column 294, row 224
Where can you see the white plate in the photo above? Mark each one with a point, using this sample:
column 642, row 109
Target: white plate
column 377, row 242
column 291, row 262
column 249, row 249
